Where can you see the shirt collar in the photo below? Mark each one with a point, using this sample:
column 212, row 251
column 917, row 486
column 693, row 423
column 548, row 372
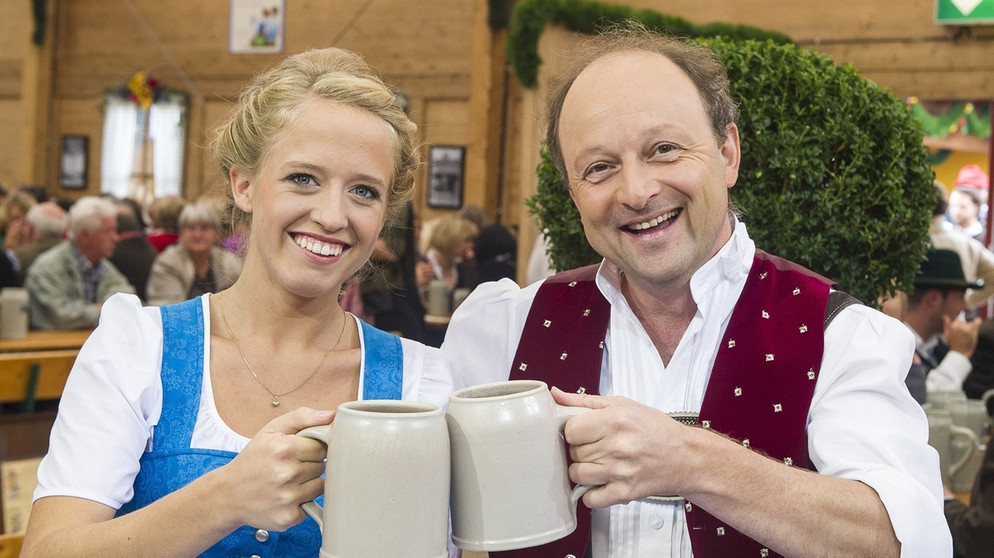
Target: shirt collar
column 732, row 262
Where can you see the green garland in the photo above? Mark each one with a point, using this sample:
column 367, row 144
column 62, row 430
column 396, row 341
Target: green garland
column 529, row 18
column 961, row 117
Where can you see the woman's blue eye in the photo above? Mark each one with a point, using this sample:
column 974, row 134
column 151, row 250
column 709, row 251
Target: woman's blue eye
column 301, row 179
column 367, row 192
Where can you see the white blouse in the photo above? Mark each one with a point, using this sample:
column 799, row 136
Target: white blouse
column 113, row 399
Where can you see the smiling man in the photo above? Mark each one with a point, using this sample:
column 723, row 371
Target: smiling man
column 807, row 442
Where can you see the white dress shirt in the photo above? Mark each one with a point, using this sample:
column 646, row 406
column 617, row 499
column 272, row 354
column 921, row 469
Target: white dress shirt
column 863, row 424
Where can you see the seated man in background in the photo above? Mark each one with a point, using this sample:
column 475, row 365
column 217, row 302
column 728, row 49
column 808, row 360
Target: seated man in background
column 944, row 343
column 70, row 282
column 977, row 260
column 133, row 253
column 46, row 226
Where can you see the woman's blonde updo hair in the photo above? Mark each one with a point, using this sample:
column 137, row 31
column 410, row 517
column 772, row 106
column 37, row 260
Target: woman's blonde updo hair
column 276, row 97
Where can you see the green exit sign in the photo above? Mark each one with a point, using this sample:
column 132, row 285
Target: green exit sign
column 961, row 12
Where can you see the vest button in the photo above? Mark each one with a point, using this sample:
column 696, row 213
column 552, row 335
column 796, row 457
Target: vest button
column 570, row 556
column 255, row 556
column 262, row 535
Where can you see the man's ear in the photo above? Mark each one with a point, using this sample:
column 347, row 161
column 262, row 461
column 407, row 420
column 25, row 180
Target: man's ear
column 731, row 152
column 241, row 189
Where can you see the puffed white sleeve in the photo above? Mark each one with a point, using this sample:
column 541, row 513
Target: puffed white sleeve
column 111, row 401
column 483, row 333
column 864, row 425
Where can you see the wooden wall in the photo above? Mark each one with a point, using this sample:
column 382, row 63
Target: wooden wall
column 440, row 53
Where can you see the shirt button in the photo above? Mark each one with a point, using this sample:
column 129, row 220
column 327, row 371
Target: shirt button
column 255, row 556
column 262, row 535
column 656, row 521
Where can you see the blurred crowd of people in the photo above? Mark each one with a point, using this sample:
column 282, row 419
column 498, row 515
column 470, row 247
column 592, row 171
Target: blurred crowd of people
column 948, row 311
column 71, row 255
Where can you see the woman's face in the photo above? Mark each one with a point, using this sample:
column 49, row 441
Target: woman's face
column 319, row 199
column 198, row 238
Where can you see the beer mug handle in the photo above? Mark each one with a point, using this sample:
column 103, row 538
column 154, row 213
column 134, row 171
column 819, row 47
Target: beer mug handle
column 322, row 434
column 987, row 395
column 956, row 431
column 564, row 414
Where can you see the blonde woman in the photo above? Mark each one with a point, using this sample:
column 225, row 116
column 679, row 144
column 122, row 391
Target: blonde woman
column 175, row 435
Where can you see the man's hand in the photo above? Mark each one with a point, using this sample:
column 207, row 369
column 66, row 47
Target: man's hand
column 961, row 336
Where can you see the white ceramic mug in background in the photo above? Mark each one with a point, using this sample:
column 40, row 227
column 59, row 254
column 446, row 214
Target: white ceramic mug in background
column 510, row 487
column 972, row 414
column 962, row 480
column 13, row 313
column 942, row 398
column 943, row 435
column 439, row 298
column 386, row 481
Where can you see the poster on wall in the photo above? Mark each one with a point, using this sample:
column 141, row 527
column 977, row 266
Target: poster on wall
column 445, row 176
column 256, row 26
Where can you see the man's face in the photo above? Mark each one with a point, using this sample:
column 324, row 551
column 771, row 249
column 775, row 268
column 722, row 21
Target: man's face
column 645, row 171
column 98, row 244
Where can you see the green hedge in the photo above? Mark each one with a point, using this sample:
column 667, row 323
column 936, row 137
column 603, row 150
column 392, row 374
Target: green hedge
column 529, row 18
column 834, row 175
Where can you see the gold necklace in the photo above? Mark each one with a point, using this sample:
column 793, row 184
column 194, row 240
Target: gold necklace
column 276, row 397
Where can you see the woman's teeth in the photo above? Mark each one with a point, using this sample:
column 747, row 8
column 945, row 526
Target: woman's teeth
column 318, row 247
column 654, row 222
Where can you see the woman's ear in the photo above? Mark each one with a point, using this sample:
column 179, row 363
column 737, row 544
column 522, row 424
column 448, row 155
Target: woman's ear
column 241, row 189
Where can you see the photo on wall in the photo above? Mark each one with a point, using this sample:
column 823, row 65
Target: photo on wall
column 446, row 165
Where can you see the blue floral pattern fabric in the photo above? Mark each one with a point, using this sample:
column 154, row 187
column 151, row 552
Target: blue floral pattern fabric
column 171, row 463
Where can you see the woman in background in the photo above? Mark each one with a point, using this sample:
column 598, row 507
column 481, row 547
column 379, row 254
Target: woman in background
column 195, row 265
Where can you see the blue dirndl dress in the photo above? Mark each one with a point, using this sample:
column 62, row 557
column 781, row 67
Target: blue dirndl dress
column 172, row 463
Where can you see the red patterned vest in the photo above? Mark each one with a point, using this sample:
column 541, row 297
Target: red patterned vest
column 759, row 391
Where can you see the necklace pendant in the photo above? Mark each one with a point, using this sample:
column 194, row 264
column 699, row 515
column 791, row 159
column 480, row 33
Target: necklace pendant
column 276, row 401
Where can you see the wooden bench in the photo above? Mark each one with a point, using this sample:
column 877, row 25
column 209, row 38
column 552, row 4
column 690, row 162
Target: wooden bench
column 27, row 376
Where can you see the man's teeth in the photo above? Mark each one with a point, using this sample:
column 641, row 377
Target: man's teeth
column 318, row 247
column 654, row 222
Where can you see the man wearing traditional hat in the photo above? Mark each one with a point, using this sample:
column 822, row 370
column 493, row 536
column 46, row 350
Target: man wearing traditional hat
column 944, row 343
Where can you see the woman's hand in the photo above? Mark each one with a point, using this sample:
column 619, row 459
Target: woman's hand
column 278, row 470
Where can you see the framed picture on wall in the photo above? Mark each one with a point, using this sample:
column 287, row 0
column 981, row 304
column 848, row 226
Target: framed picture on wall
column 446, row 164
column 73, row 161
column 256, row 26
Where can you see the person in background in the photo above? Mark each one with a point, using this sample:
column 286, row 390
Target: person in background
column 47, row 224
column 12, row 213
column 451, row 242
column 196, row 265
column 539, row 264
column 978, row 261
column 943, row 342
column 806, row 441
column 175, row 433
column 164, row 214
column 496, row 252
column 70, row 282
column 972, row 525
column 133, row 254
column 964, row 212
column 389, row 290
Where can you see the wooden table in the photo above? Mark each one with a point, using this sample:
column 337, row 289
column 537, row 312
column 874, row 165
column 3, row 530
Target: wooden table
column 46, row 340
column 37, row 366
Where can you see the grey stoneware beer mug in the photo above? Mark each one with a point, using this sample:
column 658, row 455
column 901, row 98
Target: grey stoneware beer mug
column 386, row 481
column 510, row 487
